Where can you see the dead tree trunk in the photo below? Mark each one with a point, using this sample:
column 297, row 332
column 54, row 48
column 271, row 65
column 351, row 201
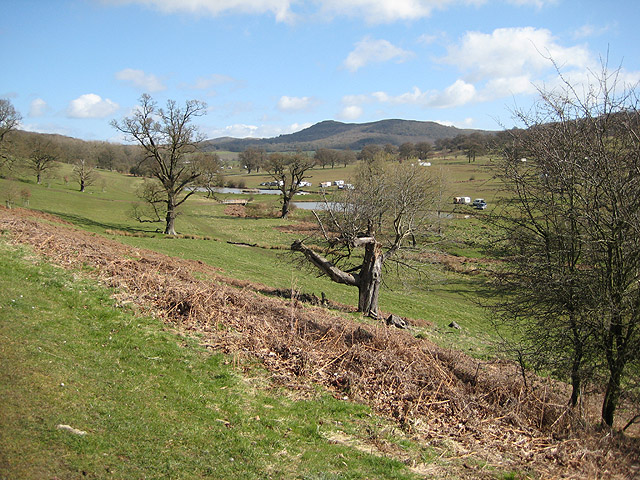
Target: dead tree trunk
column 170, row 220
column 370, row 277
column 367, row 280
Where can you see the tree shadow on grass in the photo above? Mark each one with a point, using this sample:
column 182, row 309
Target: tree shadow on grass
column 90, row 223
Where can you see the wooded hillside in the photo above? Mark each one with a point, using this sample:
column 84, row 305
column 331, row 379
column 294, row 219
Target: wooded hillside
column 338, row 135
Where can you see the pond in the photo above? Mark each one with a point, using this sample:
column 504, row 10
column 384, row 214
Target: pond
column 312, row 205
column 248, row 191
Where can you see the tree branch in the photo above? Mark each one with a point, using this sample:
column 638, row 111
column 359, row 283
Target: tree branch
column 333, row 272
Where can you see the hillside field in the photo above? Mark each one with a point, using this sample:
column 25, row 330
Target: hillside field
column 178, row 357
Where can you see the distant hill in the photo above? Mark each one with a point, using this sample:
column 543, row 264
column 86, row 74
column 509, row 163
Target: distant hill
column 338, row 135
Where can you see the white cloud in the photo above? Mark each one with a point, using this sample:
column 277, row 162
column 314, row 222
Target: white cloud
column 296, row 127
column 295, row 104
column 280, row 8
column 355, row 99
column 38, row 108
column 532, row 3
column 253, row 131
column 416, row 96
column 466, row 123
column 91, row 105
column 386, row 11
column 591, row 31
column 141, row 80
column 510, row 52
column 238, row 130
column 47, row 128
column 352, row 109
column 505, row 86
column 509, row 61
column 426, row 39
column 369, row 50
column 455, row 95
column 350, row 112
column 372, row 11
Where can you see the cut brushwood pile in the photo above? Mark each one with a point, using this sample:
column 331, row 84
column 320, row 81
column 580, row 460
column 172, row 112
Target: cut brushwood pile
column 481, row 408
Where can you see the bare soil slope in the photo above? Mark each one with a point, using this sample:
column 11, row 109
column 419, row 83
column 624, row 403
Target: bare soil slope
column 481, row 409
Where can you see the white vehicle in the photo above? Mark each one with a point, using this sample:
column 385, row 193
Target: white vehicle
column 479, row 203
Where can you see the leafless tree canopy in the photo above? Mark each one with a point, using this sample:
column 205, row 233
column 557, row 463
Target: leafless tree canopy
column 84, row 173
column 387, row 209
column 42, row 158
column 289, row 170
column 211, row 176
column 9, row 120
column 571, row 219
column 168, row 138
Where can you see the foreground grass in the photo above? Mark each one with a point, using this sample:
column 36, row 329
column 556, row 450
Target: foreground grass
column 152, row 404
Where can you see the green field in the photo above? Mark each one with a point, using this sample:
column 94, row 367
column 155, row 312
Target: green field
column 152, row 404
column 439, row 297
column 156, row 405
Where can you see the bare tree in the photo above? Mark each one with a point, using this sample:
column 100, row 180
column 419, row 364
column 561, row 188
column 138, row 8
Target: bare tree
column 573, row 227
column 211, row 173
column 542, row 287
column 153, row 200
column 385, row 212
column 85, row 174
column 346, row 157
column 289, row 171
column 369, row 152
column 10, row 194
column 9, row 120
column 168, row 138
column 423, row 149
column 406, row 151
column 326, row 156
column 42, row 158
column 252, row 159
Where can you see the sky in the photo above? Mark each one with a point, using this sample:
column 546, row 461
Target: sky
column 271, row 67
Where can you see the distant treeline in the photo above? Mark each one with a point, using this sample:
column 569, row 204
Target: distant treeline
column 104, row 155
column 129, row 159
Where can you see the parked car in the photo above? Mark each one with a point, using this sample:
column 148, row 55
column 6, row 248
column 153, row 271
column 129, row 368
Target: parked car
column 479, row 204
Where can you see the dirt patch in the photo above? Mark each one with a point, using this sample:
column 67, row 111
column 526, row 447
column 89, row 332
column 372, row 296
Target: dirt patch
column 300, row 228
column 480, row 408
column 236, row 211
column 458, row 264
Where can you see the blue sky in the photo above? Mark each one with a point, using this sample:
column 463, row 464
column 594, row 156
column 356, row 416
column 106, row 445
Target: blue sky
column 269, row 67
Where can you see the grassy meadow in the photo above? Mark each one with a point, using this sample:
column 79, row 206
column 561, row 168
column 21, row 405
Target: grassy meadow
column 152, row 404
column 155, row 405
column 439, row 297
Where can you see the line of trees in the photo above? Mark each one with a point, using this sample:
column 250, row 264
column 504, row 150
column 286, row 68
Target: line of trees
column 41, row 154
column 570, row 292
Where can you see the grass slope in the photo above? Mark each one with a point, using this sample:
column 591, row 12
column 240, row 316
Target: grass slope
column 153, row 405
column 439, row 298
